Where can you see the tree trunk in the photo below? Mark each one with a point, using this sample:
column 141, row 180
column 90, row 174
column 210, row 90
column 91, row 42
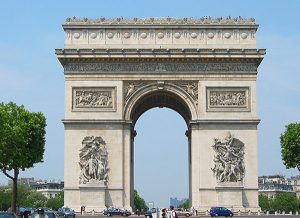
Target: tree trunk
column 15, row 191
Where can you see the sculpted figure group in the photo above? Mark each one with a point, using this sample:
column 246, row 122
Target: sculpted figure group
column 93, row 160
column 229, row 160
column 93, row 99
column 228, row 98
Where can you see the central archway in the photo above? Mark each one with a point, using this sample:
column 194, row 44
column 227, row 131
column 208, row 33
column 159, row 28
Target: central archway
column 151, row 96
column 161, row 157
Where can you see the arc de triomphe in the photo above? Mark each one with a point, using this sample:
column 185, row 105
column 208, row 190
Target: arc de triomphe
column 116, row 69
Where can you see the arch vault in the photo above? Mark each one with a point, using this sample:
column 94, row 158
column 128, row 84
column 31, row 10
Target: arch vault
column 116, row 69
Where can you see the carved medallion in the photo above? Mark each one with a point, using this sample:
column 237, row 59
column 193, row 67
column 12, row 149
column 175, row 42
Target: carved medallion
column 229, row 159
column 94, row 99
column 93, row 161
column 228, row 99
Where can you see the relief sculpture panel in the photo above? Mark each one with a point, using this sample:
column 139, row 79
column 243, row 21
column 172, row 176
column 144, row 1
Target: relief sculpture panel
column 229, row 159
column 94, row 99
column 93, row 161
column 228, row 99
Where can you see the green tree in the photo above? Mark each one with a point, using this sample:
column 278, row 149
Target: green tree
column 139, row 203
column 185, row 205
column 35, row 199
column 22, row 142
column 285, row 202
column 57, row 202
column 5, row 198
column 290, row 146
column 264, row 202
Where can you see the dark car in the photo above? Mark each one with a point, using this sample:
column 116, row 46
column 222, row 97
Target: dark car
column 44, row 214
column 7, row 215
column 66, row 212
column 116, row 211
column 23, row 211
column 149, row 213
column 220, row 211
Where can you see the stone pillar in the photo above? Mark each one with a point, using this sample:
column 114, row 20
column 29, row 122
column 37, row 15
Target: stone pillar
column 194, row 169
column 127, row 174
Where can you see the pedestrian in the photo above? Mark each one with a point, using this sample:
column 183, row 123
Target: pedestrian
column 82, row 209
column 173, row 214
column 164, row 213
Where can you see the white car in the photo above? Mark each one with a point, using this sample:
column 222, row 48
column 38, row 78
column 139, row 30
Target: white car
column 181, row 212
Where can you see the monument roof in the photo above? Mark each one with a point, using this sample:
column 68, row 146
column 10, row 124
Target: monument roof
column 165, row 21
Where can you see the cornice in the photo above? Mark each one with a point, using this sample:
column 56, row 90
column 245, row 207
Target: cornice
column 150, row 55
column 195, row 123
column 205, row 21
column 94, row 121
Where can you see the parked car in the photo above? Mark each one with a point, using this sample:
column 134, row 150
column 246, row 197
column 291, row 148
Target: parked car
column 220, row 211
column 41, row 213
column 149, row 213
column 116, row 211
column 66, row 212
column 182, row 212
column 7, row 215
column 23, row 211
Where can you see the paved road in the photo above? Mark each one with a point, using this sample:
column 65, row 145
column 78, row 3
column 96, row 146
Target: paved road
column 243, row 216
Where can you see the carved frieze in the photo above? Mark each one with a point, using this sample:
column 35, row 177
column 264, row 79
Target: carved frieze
column 228, row 99
column 94, row 98
column 147, row 68
column 189, row 87
column 93, row 161
column 229, row 163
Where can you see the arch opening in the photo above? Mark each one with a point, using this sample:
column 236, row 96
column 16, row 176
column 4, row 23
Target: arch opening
column 160, row 98
column 177, row 102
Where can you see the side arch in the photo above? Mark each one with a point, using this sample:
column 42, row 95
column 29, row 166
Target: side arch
column 160, row 95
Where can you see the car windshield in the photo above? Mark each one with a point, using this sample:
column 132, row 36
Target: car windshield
column 67, row 209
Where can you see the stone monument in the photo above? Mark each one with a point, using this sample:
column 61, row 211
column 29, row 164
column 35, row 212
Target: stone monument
column 116, row 69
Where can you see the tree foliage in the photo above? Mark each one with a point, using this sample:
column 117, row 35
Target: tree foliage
column 290, row 146
column 57, row 202
column 185, row 205
column 5, row 198
column 27, row 197
column 285, row 202
column 139, row 203
column 264, row 202
column 22, row 141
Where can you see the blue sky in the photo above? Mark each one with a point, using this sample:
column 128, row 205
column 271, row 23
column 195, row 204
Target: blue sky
column 31, row 75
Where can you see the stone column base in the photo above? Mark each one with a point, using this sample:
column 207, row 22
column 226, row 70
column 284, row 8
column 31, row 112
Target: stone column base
column 92, row 196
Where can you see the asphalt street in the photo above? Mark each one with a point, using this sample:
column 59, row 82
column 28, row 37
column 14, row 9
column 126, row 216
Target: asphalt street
column 242, row 216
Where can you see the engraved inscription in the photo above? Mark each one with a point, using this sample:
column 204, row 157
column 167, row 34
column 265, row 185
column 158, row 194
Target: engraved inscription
column 93, row 98
column 235, row 98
